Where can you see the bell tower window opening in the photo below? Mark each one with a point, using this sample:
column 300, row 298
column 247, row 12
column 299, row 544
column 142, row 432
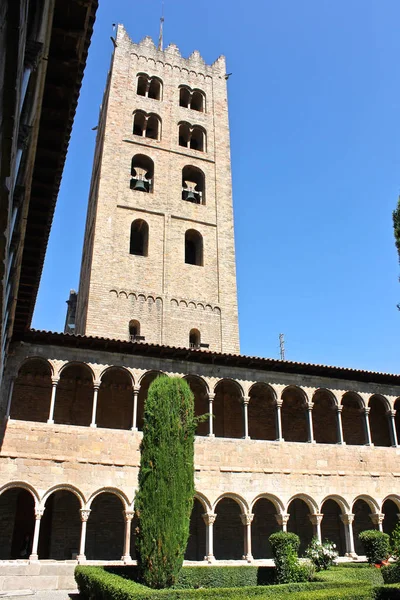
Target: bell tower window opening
column 193, row 185
column 139, row 241
column 193, row 99
column 192, row 137
column 197, row 139
column 149, row 87
column 193, row 248
column 194, row 338
column 146, row 125
column 134, row 331
column 142, row 173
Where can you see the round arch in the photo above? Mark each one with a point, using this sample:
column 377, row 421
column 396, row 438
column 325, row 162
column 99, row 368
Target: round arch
column 76, row 363
column 394, row 498
column 200, row 392
column 27, row 359
column 23, row 485
column 341, row 502
column 373, row 504
column 31, row 392
column 63, row 487
column 244, row 507
column 328, row 392
column 355, row 396
column 197, row 378
column 151, row 372
column 109, row 490
column 204, row 501
column 279, row 505
column 117, row 368
column 228, row 409
column 311, row 503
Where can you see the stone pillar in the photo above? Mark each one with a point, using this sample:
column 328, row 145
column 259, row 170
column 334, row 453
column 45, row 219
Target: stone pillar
column 392, row 427
column 128, row 515
column 38, row 515
column 209, row 519
column 339, row 409
column 316, row 520
column 10, row 393
column 347, row 521
column 96, row 387
column 377, row 519
column 282, row 520
column 84, row 514
column 135, row 406
column 278, row 405
column 246, row 417
column 54, row 383
column 246, row 520
column 367, row 427
column 310, row 423
column 210, row 415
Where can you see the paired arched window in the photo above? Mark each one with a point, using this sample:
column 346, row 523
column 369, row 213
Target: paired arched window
column 194, row 338
column 193, row 185
column 193, row 248
column 142, row 173
column 192, row 136
column 150, row 87
column 146, row 125
column 194, row 99
column 139, row 242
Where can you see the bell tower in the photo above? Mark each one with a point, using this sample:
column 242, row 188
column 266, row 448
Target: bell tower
column 158, row 260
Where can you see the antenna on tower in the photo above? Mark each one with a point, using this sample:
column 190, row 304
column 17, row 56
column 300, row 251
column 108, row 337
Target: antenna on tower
column 160, row 37
column 282, row 345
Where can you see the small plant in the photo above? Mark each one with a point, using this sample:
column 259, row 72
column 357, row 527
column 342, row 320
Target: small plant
column 376, row 545
column 395, row 542
column 322, row 555
column 288, row 568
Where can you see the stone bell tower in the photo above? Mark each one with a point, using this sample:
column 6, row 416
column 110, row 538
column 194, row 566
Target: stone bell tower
column 158, row 260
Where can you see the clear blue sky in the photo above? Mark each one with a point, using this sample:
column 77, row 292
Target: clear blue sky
column 315, row 119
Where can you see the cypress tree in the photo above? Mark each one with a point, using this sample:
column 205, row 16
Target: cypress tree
column 396, row 227
column 164, row 499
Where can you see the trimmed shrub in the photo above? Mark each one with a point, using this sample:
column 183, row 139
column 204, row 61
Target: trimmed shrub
column 321, row 555
column 284, row 548
column 391, row 573
column 395, row 542
column 387, row 592
column 281, row 539
column 376, row 545
column 223, row 577
column 164, row 500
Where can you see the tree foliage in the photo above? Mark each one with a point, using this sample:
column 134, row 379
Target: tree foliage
column 164, row 500
column 396, row 227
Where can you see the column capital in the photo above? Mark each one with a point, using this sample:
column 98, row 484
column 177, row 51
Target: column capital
column 347, row 519
column 278, row 402
column 310, row 405
column 84, row 512
column 366, row 410
column 282, row 518
column 391, row 413
column 211, row 396
column 377, row 518
column 339, row 408
column 96, row 385
column 246, row 399
column 128, row 514
column 209, row 518
column 39, row 512
column 247, row 518
column 54, row 380
column 316, row 518
column 136, row 389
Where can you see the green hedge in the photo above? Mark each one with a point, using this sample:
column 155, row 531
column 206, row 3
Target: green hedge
column 376, row 545
column 391, row 573
column 387, row 592
column 95, row 583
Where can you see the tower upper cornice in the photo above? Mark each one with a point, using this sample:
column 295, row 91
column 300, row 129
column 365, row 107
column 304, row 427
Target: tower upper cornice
column 171, row 55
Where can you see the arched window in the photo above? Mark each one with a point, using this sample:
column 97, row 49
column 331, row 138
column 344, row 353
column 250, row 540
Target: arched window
column 193, row 99
column 194, row 338
column 193, row 185
column 193, row 248
column 142, row 173
column 193, row 137
column 139, row 238
column 134, row 331
column 150, row 87
column 146, row 125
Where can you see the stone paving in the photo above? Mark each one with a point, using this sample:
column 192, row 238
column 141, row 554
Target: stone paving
column 41, row 595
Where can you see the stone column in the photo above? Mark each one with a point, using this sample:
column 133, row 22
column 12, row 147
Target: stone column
column 210, row 415
column 135, row 406
column 96, row 387
column 38, row 515
column 246, row 520
column 278, row 405
column 54, row 383
column 310, row 423
column 246, row 417
column 10, row 393
column 367, row 427
column 347, row 521
column 84, row 514
column 392, row 427
column 209, row 519
column 377, row 519
column 339, row 409
column 282, row 520
column 316, row 520
column 128, row 515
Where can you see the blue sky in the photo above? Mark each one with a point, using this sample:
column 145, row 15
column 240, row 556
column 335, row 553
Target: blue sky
column 314, row 113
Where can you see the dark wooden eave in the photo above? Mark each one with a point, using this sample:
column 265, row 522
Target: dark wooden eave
column 70, row 39
column 100, row 344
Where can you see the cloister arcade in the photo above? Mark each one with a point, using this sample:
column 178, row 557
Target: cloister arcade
column 63, row 525
column 75, row 393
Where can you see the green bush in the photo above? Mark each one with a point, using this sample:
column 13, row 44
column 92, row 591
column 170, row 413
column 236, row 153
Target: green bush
column 282, row 539
column 164, row 500
column 391, row 573
column 395, row 542
column 387, row 592
column 376, row 545
column 321, row 555
column 284, row 548
column 223, row 577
